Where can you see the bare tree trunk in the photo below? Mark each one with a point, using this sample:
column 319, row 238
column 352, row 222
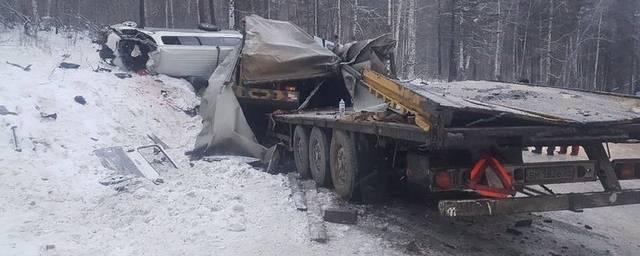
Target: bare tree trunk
column 354, row 25
column 526, row 39
column 453, row 71
column 315, row 17
column 497, row 71
column 389, row 13
column 268, row 9
column 232, row 14
column 34, row 11
column 599, row 39
column 171, row 14
column 514, row 53
column 396, row 36
column 549, row 41
column 461, row 72
column 212, row 12
column 411, row 40
column 143, row 13
column 49, row 3
column 202, row 12
column 166, row 13
column 339, row 30
column 439, row 40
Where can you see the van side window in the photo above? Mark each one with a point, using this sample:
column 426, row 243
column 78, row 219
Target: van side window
column 189, row 40
column 230, row 41
column 170, row 40
column 210, row 41
column 180, row 40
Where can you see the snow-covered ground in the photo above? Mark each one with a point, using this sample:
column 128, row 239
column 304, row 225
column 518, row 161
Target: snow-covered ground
column 51, row 202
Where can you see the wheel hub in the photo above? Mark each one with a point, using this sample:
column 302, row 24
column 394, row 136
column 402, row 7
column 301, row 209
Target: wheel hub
column 317, row 156
column 341, row 162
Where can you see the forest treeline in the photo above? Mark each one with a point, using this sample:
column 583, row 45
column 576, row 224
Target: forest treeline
column 587, row 44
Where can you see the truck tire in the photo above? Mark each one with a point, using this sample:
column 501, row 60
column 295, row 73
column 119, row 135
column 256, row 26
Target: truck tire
column 301, row 151
column 344, row 165
column 319, row 157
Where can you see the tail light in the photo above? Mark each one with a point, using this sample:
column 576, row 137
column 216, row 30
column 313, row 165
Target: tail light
column 290, row 88
column 443, row 180
column 627, row 169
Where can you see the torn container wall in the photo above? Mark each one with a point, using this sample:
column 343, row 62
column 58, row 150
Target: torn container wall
column 225, row 129
column 280, row 51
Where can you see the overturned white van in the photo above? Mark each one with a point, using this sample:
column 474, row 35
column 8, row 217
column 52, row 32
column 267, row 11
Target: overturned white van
column 173, row 52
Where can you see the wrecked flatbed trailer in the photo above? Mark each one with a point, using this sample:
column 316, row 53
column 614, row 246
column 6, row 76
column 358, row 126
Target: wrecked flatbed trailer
column 444, row 137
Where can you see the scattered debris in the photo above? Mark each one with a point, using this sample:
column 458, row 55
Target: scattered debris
column 115, row 179
column 116, row 159
column 296, row 192
column 413, row 247
column 4, row 111
column 80, row 100
column 212, row 159
column 514, row 232
column 192, row 112
column 158, row 141
column 67, row 65
column 341, row 216
column 317, row 229
column 126, row 164
column 450, row 245
column 101, row 69
column 145, row 168
column 53, row 116
column 523, row 223
column 588, row 227
column 123, row 75
column 16, row 143
column 157, row 150
column 27, row 68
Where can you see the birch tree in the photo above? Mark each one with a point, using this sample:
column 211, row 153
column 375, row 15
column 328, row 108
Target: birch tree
column 497, row 71
column 411, row 38
column 232, row 14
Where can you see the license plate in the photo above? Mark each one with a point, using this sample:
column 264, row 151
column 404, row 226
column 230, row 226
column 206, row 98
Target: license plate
column 558, row 173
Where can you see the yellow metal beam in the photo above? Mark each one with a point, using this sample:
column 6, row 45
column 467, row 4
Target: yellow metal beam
column 397, row 96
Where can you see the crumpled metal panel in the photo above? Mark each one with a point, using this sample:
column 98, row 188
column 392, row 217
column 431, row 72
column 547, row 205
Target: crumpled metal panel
column 279, row 50
column 225, row 129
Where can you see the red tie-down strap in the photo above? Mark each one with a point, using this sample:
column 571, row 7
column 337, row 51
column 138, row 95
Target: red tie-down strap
column 479, row 170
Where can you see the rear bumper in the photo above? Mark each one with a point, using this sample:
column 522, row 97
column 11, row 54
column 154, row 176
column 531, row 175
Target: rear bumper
column 547, row 203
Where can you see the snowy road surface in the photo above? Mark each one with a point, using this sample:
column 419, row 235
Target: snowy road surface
column 52, row 204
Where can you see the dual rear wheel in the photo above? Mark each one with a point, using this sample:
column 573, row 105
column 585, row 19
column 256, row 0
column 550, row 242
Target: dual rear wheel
column 347, row 161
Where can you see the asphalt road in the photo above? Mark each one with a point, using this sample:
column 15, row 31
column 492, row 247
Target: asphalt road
column 416, row 229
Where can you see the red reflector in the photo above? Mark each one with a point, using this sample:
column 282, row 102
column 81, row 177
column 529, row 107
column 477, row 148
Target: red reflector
column 443, row 180
column 625, row 171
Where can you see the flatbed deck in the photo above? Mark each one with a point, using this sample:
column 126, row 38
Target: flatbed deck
column 535, row 103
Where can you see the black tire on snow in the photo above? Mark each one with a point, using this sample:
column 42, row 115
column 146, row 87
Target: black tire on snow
column 301, row 151
column 344, row 165
column 319, row 157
